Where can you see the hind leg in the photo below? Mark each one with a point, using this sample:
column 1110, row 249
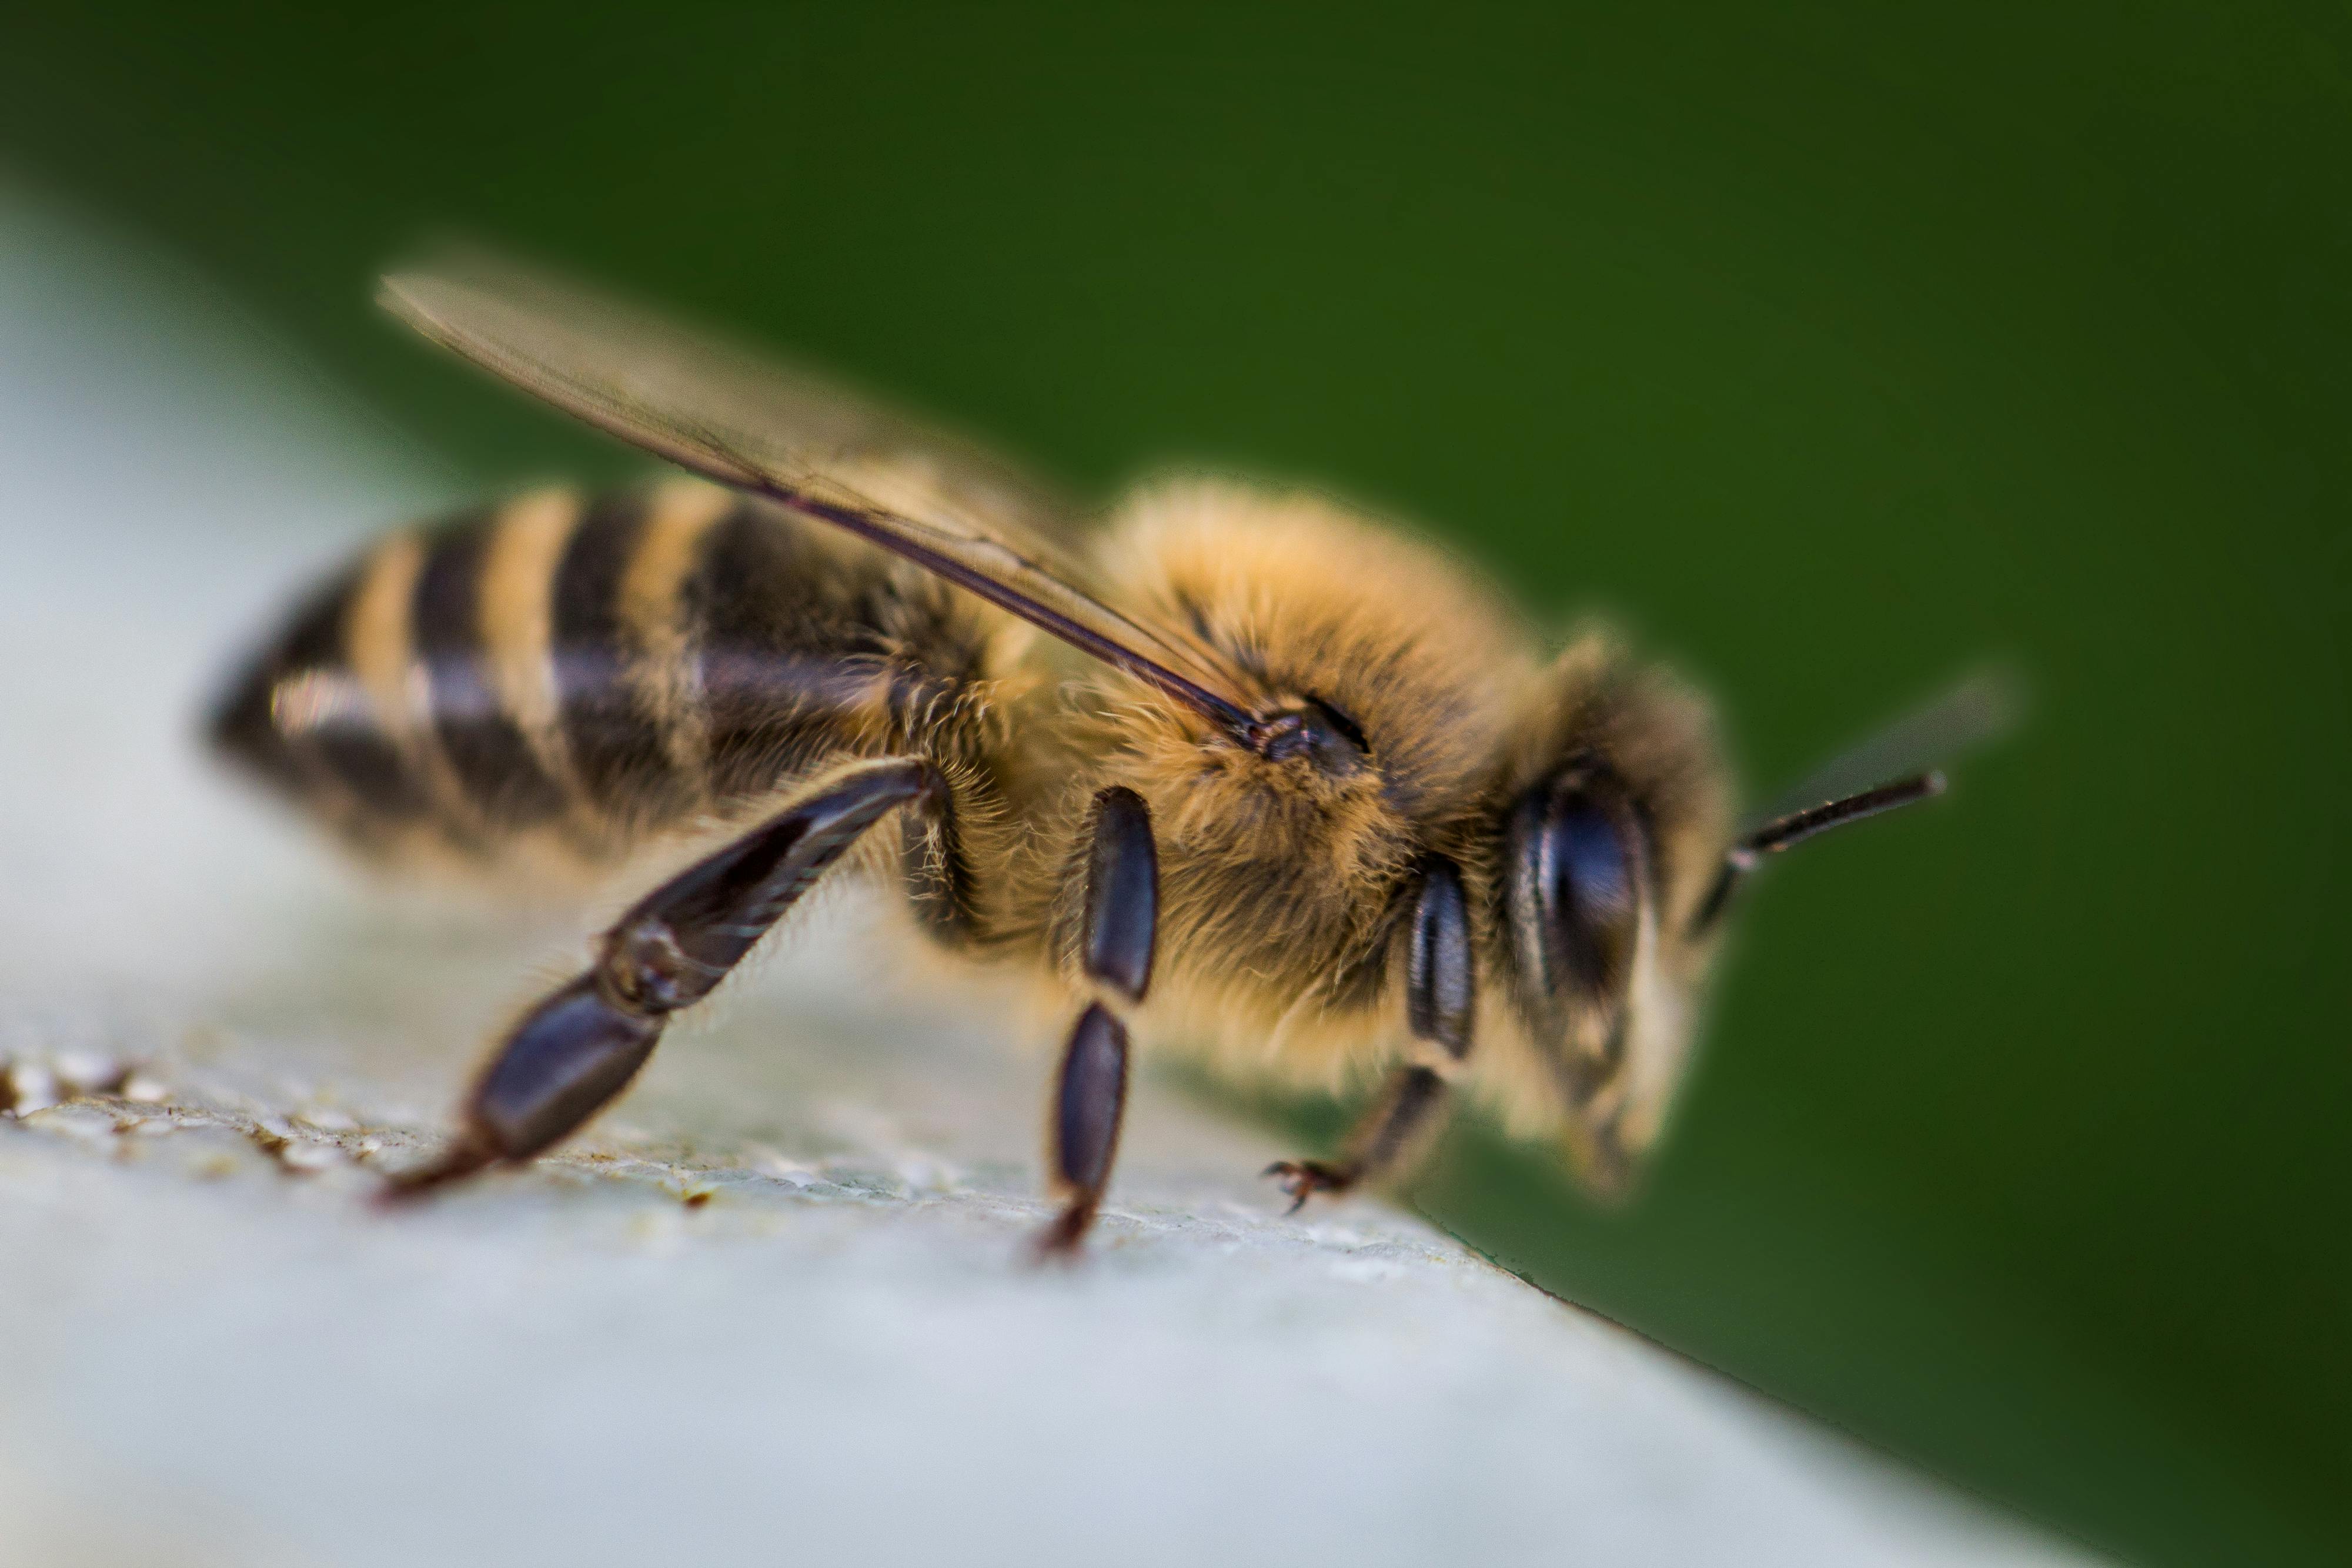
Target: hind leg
column 580, row 1046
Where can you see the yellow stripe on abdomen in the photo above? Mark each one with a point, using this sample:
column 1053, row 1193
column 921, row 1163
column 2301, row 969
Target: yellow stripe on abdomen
column 666, row 666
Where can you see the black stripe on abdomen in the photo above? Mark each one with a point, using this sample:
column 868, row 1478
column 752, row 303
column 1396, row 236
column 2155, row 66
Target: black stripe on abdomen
column 786, row 661
column 485, row 748
column 298, row 712
column 613, row 733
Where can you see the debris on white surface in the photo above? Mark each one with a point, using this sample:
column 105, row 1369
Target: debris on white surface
column 777, row 1308
column 27, row 1087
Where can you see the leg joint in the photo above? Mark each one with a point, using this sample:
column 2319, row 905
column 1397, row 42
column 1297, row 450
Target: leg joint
column 642, row 969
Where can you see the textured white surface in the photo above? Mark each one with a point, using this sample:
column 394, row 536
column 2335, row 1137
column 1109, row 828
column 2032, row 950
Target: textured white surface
column 772, row 1310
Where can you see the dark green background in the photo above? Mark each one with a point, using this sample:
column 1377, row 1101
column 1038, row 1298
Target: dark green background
column 1831, row 354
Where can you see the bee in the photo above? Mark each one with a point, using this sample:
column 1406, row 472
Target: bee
column 1240, row 770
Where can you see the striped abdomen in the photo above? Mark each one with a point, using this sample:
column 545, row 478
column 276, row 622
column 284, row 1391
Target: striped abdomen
column 597, row 668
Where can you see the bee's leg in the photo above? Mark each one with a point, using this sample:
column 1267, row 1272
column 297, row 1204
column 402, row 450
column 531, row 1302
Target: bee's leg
column 582, row 1044
column 1441, row 998
column 1385, row 1143
column 1120, row 924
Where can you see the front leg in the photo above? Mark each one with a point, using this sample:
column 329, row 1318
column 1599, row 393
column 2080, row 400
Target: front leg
column 1440, row 992
column 1120, row 927
column 579, row 1047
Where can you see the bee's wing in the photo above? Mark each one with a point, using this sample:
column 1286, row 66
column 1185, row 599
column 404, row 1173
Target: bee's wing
column 829, row 454
column 1976, row 710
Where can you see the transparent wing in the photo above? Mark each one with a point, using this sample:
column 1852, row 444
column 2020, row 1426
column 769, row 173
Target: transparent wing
column 1977, row 709
column 824, row 453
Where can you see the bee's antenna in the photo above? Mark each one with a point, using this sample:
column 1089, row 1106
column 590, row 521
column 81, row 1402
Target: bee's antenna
column 1905, row 755
column 1787, row 832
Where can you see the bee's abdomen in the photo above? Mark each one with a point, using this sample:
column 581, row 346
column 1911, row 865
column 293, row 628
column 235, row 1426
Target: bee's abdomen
column 322, row 754
column 595, row 669
column 475, row 639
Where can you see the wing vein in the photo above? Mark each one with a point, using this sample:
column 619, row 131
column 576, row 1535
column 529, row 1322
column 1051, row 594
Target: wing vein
column 823, row 452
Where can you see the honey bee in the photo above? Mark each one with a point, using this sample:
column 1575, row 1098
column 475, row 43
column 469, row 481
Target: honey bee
column 1240, row 769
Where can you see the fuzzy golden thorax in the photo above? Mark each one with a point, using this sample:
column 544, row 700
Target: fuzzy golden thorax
column 1280, row 873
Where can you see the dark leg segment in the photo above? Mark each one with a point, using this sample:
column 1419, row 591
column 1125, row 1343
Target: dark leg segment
column 1121, row 923
column 1090, row 1099
column 571, row 1054
column 1441, row 998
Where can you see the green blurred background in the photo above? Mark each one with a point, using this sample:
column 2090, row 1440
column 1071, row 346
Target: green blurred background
column 1831, row 353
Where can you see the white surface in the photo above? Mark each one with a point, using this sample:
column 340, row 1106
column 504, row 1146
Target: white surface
column 774, row 1309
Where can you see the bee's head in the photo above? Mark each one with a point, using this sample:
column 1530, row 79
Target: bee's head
column 1618, row 857
column 1613, row 822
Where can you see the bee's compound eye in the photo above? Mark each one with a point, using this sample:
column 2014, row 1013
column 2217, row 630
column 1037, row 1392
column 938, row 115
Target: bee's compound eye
column 1576, row 887
column 1592, row 873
